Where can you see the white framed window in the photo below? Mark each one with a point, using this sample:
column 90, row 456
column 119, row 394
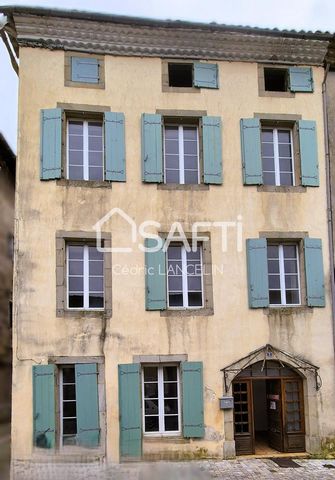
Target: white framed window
column 284, row 275
column 185, row 277
column 161, row 400
column 68, row 405
column 277, row 156
column 85, row 277
column 181, row 154
column 85, row 152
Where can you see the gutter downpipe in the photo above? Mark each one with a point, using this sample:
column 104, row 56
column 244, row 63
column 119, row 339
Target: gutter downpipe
column 329, row 198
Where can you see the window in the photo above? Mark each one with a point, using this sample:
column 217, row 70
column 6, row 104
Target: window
column 84, row 70
column 187, row 76
column 283, row 272
column 161, row 399
column 181, row 154
column 185, row 283
column 284, row 81
column 277, row 156
column 180, row 74
column 276, row 79
column 68, row 405
column 85, row 156
column 85, row 277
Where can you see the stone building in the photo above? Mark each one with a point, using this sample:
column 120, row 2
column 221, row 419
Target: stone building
column 169, row 353
column 7, row 195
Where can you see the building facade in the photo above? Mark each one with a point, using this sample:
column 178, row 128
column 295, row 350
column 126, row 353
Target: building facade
column 126, row 351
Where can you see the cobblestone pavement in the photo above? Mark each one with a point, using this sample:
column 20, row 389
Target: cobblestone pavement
column 255, row 469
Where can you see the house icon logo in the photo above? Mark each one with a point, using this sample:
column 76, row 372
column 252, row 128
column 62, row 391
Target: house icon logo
column 99, row 226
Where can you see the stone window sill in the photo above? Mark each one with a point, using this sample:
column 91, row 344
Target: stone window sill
column 281, row 189
column 178, row 186
column 287, row 310
column 84, row 313
column 165, row 439
column 64, row 182
column 201, row 312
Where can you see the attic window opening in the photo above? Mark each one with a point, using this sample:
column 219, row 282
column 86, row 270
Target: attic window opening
column 276, row 79
column 180, row 74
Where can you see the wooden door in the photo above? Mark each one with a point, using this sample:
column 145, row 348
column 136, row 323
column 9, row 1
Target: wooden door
column 293, row 409
column 243, row 420
column 274, row 414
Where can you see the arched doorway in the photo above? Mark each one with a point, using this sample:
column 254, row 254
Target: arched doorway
column 268, row 409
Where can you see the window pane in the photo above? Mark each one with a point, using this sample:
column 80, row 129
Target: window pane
column 69, row 409
column 273, row 251
column 190, row 133
column 95, row 128
column 150, row 374
column 95, row 174
column 69, row 392
column 171, row 423
column 284, row 150
column 191, row 177
column 171, row 133
column 175, row 284
column 94, row 254
column 69, row 426
column 171, row 406
column 267, row 150
column 273, row 266
column 76, row 173
column 76, row 301
column 290, row 266
column 195, row 299
column 268, row 164
column 274, row 282
column 267, row 135
column 174, row 252
column 76, row 142
column 286, row 179
column 290, row 251
column 175, row 268
column 76, row 284
column 68, row 375
column 171, row 146
column 75, row 128
column 151, row 407
column 76, row 252
column 193, row 255
column 285, row 164
column 170, row 374
column 284, row 136
column 76, row 267
column 292, row 297
column 170, row 390
column 194, row 283
column 190, row 148
column 96, row 268
column 151, row 424
column 172, row 176
column 172, row 161
column 76, row 158
column 96, row 284
column 95, row 143
column 151, row 390
column 95, row 159
column 291, row 281
column 191, row 162
column 96, row 301
column 175, row 300
column 275, row 297
column 269, row 178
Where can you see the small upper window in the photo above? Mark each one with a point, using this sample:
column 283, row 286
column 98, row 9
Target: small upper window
column 276, row 79
column 180, row 74
column 84, row 69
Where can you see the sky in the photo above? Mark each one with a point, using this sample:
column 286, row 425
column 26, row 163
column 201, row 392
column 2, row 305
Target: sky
column 290, row 14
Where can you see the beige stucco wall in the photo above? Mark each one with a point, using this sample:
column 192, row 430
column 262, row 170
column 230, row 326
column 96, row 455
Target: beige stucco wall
column 133, row 86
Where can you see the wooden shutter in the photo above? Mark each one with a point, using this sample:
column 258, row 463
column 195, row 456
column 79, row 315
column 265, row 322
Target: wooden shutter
column 308, row 153
column 314, row 272
column 251, row 151
column 130, row 411
column 205, row 75
column 300, row 79
column 152, row 148
column 51, row 143
column 257, row 264
column 115, row 156
column 193, row 400
column 212, row 149
column 155, row 277
column 88, row 430
column 44, row 409
column 84, row 69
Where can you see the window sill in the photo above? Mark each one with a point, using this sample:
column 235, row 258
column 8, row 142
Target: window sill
column 178, row 186
column 84, row 313
column 268, row 93
column 64, row 182
column 281, row 189
column 165, row 439
column 287, row 310
column 167, row 88
column 200, row 312
column 70, row 83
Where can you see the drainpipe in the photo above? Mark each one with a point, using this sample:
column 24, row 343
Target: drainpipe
column 4, row 36
column 329, row 198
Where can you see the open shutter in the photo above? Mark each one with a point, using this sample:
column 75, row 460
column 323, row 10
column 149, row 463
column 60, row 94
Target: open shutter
column 51, row 143
column 193, row 400
column 308, row 153
column 300, row 79
column 88, row 430
column 44, row 409
column 212, row 149
column 130, row 411
column 115, row 156
column 152, row 148
column 205, row 75
column 251, row 151
column 155, row 277
column 314, row 272
column 84, row 70
column 257, row 264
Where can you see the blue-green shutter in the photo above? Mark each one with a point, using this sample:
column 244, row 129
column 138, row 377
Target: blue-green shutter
column 315, row 287
column 257, row 266
column 212, row 149
column 308, row 153
column 84, row 70
column 251, row 151
column 115, row 149
column 152, row 148
column 88, row 430
column 130, row 411
column 51, row 143
column 193, row 400
column 155, row 277
column 300, row 79
column 205, row 75
column 44, row 408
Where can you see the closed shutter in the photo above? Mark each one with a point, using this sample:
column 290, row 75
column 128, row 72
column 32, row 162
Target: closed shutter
column 130, row 411
column 193, row 400
column 257, row 264
column 44, row 409
column 152, row 148
column 251, row 151
column 88, row 430
column 155, row 277
column 314, row 272
column 300, row 79
column 205, row 75
column 212, row 149
column 308, row 153
column 51, row 144
column 84, row 70
column 115, row 150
